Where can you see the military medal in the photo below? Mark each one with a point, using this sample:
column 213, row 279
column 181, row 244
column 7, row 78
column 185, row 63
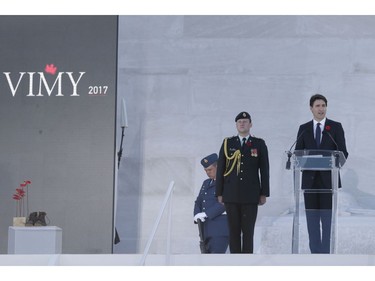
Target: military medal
column 254, row 152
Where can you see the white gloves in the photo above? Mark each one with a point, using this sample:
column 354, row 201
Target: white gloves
column 202, row 216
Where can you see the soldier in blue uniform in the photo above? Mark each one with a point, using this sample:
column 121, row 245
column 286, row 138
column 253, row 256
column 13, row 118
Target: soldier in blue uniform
column 210, row 211
column 242, row 183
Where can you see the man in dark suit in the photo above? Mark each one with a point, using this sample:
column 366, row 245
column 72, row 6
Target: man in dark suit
column 210, row 211
column 323, row 134
column 242, row 183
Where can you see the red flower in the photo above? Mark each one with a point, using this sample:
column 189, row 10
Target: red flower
column 248, row 143
column 20, row 192
column 328, row 128
column 21, row 196
column 16, row 197
column 25, row 183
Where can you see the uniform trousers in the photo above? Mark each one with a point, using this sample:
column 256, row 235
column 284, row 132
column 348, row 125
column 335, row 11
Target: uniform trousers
column 217, row 244
column 318, row 206
column 241, row 222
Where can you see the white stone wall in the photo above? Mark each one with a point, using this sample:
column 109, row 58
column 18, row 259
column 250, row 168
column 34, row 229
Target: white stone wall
column 185, row 78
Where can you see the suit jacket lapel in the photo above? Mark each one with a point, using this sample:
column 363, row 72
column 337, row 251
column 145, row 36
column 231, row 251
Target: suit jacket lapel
column 325, row 137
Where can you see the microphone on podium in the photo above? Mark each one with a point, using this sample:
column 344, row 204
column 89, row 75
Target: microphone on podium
column 337, row 164
column 289, row 152
column 330, row 136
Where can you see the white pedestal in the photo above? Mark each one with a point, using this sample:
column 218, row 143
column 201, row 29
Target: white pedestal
column 34, row 240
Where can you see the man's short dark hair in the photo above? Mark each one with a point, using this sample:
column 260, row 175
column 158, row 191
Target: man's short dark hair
column 317, row 97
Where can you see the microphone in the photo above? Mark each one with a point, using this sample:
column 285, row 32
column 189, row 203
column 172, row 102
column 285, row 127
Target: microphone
column 330, row 136
column 289, row 153
column 337, row 148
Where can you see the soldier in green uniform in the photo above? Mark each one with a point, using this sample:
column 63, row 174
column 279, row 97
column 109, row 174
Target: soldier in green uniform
column 242, row 183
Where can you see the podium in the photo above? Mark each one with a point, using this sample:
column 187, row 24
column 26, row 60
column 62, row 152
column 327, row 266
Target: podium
column 34, row 240
column 315, row 160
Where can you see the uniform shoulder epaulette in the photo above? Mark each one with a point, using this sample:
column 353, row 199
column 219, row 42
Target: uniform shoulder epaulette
column 231, row 137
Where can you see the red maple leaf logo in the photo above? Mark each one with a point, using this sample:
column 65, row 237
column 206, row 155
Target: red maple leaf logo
column 50, row 68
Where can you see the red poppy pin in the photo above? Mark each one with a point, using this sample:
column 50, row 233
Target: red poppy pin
column 248, row 143
column 328, row 128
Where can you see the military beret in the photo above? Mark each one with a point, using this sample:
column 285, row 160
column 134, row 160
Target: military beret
column 243, row 115
column 209, row 160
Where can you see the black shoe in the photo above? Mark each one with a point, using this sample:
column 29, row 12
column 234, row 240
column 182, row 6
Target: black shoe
column 32, row 219
column 41, row 219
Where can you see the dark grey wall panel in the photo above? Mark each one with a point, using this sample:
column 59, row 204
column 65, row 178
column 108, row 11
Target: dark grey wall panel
column 61, row 138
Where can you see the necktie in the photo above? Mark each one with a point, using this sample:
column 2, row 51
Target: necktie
column 318, row 134
column 243, row 144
